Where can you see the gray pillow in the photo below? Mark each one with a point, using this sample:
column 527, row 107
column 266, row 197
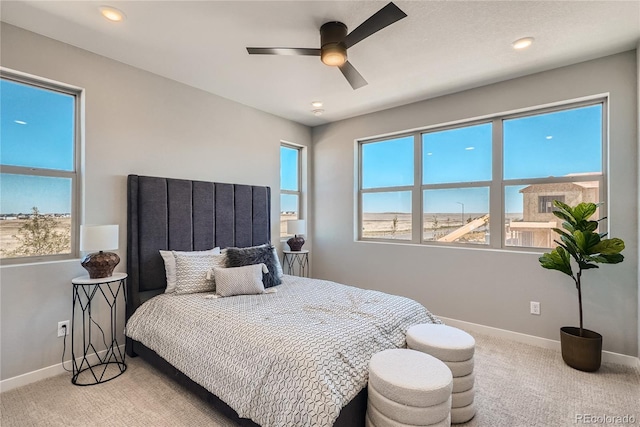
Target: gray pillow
column 263, row 254
column 245, row 280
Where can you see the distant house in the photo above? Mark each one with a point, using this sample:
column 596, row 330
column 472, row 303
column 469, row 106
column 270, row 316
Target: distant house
column 535, row 229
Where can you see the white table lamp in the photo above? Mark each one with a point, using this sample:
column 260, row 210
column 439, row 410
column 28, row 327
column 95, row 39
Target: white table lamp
column 99, row 238
column 296, row 227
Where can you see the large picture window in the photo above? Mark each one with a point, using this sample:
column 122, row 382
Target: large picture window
column 290, row 185
column 38, row 183
column 489, row 183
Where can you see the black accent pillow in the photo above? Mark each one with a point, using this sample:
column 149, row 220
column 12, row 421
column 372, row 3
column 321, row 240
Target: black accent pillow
column 239, row 257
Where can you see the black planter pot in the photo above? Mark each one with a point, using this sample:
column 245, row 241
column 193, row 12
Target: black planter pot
column 581, row 352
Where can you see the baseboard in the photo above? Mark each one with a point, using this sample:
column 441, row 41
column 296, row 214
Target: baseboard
column 607, row 356
column 48, row 372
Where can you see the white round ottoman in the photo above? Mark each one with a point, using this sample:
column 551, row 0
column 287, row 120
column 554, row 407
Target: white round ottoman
column 408, row 388
column 444, row 342
column 455, row 348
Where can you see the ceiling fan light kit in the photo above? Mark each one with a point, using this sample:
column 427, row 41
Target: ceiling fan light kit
column 333, row 51
column 334, row 42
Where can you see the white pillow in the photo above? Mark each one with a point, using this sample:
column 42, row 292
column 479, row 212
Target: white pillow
column 170, row 265
column 245, row 280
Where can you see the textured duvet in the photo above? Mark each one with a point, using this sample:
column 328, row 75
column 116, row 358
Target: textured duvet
column 291, row 358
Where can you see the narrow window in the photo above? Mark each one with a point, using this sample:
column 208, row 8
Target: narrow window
column 38, row 183
column 290, row 186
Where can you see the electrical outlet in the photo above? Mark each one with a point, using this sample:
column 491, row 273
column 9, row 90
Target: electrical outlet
column 535, row 307
column 62, row 330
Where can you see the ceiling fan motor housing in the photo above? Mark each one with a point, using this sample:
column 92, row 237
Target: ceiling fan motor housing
column 333, row 51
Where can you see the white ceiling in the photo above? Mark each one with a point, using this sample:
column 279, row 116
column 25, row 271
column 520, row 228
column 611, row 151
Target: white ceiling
column 441, row 47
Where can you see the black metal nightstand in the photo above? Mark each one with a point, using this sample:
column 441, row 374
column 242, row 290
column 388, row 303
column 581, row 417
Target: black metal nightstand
column 296, row 263
column 97, row 367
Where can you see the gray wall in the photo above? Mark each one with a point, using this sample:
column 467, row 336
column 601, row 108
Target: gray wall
column 490, row 287
column 136, row 122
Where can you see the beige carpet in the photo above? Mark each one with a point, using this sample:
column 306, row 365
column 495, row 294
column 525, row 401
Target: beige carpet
column 517, row 385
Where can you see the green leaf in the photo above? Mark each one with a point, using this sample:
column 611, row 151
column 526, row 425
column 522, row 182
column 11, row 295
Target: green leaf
column 585, row 241
column 586, row 266
column 608, row 259
column 584, row 211
column 589, row 226
column 613, row 258
column 557, row 259
column 563, row 233
column 563, row 206
column 564, row 216
column 608, row 247
column 570, row 246
column 569, row 227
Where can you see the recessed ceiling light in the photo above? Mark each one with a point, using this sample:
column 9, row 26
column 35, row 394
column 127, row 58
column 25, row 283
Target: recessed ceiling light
column 316, row 104
column 522, row 43
column 111, row 13
column 318, row 112
column 20, row 122
column 470, row 148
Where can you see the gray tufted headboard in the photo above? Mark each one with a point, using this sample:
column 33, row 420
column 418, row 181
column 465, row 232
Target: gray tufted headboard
column 183, row 215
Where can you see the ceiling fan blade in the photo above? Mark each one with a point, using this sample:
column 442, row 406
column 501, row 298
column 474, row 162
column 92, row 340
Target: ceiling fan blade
column 382, row 18
column 283, row 51
column 352, row 75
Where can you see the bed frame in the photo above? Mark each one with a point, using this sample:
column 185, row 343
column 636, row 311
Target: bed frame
column 184, row 215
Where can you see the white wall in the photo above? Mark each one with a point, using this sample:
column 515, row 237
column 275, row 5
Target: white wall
column 140, row 123
column 488, row 287
column 638, row 167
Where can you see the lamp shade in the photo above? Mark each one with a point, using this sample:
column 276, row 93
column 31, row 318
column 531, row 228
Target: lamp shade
column 99, row 237
column 296, row 226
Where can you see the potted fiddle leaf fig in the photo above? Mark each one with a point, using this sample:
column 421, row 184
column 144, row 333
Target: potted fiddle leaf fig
column 580, row 248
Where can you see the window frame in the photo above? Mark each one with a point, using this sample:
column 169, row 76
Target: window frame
column 497, row 185
column 297, row 193
column 394, row 189
column 74, row 175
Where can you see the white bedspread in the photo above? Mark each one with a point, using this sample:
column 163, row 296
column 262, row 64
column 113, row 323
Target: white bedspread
column 292, row 358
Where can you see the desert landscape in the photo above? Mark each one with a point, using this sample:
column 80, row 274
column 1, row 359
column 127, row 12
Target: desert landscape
column 10, row 228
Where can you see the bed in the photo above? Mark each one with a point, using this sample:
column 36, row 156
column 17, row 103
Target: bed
column 297, row 356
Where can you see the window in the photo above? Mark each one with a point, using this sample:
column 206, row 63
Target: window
column 553, row 155
column 545, row 203
column 489, row 183
column 290, row 185
column 38, row 183
column 387, row 182
column 456, row 173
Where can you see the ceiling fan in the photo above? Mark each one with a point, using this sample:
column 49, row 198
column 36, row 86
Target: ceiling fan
column 334, row 42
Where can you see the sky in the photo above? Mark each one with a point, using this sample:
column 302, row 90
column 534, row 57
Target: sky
column 36, row 130
column 289, row 178
column 37, row 125
column 553, row 144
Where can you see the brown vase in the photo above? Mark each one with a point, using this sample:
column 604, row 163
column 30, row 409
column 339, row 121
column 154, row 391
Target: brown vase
column 581, row 352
